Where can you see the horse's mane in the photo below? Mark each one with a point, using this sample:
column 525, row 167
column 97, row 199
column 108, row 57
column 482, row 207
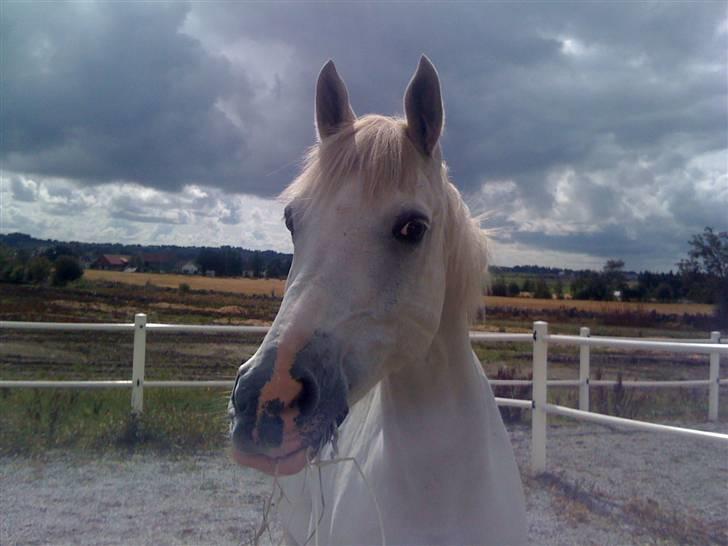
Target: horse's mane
column 377, row 151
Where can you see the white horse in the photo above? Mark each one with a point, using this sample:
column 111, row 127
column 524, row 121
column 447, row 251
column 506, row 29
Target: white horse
column 370, row 349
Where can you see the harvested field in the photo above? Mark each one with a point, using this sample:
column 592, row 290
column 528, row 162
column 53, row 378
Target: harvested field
column 276, row 287
column 272, row 287
column 601, row 306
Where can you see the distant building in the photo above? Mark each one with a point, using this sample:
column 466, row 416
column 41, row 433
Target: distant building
column 111, row 262
column 157, row 262
column 190, row 269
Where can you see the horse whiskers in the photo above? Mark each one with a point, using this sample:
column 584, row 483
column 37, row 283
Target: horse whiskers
column 267, row 505
column 329, row 436
column 319, row 504
column 319, row 518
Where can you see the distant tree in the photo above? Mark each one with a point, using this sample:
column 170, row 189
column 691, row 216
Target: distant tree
column 13, row 265
column 708, row 253
column 39, row 269
column 614, row 265
column 22, row 256
column 225, row 261
column 275, row 269
column 499, row 287
column 54, row 252
column 559, row 289
column 137, row 262
column 210, row 260
column 663, row 292
column 542, row 290
column 589, row 285
column 66, row 269
column 513, row 289
column 256, row 264
column 278, row 268
column 705, row 271
column 233, row 262
column 613, row 272
column 527, row 286
column 7, row 260
column 287, row 262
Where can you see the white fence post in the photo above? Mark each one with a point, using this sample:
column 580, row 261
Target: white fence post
column 714, row 377
column 139, row 358
column 538, row 413
column 584, row 372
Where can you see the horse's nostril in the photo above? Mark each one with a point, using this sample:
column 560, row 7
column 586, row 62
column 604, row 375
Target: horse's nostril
column 308, row 399
column 241, row 400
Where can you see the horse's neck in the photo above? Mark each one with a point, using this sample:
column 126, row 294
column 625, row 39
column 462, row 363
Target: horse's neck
column 417, row 390
column 429, row 407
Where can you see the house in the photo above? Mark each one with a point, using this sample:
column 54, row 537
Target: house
column 189, row 268
column 157, row 261
column 110, row 262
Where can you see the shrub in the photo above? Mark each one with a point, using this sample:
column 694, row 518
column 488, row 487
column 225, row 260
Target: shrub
column 499, row 288
column 66, row 269
column 542, row 290
column 184, row 288
column 39, row 269
column 664, row 292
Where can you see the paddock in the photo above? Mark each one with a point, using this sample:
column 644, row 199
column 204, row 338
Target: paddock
column 576, row 487
column 660, row 490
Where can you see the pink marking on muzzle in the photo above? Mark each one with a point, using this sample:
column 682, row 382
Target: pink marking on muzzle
column 282, row 386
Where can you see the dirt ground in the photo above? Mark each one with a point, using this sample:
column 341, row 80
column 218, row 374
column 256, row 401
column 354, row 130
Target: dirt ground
column 604, row 487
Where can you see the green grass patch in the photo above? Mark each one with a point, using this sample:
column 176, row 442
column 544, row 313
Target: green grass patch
column 33, row 421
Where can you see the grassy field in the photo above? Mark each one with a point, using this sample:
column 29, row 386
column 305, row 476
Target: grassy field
column 32, row 420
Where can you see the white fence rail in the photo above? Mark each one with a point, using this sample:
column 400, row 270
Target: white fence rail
column 539, row 406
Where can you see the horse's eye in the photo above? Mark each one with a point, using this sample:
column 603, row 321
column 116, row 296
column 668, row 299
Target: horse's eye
column 410, row 231
column 288, row 215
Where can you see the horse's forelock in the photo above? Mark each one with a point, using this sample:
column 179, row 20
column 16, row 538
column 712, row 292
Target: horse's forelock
column 375, row 150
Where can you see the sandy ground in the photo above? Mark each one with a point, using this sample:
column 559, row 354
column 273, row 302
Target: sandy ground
column 603, row 488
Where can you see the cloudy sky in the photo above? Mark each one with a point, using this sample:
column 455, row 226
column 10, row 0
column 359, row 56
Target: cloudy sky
column 586, row 131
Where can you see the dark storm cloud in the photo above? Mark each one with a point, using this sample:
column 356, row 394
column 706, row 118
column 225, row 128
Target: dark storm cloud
column 594, row 114
column 108, row 92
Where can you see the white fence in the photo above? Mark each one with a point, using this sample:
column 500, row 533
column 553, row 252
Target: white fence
column 540, row 338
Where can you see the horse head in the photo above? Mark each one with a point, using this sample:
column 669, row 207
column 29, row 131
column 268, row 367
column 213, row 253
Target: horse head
column 377, row 231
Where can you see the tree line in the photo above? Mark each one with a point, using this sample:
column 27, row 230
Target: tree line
column 56, row 265
column 230, row 262
column 701, row 277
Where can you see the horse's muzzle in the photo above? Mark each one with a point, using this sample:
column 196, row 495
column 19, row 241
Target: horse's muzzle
column 287, row 404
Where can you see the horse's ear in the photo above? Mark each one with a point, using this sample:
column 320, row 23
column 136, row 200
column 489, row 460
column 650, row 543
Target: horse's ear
column 423, row 107
column 332, row 102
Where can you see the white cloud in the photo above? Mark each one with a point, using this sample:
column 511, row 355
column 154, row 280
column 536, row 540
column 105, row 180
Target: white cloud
column 130, row 213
